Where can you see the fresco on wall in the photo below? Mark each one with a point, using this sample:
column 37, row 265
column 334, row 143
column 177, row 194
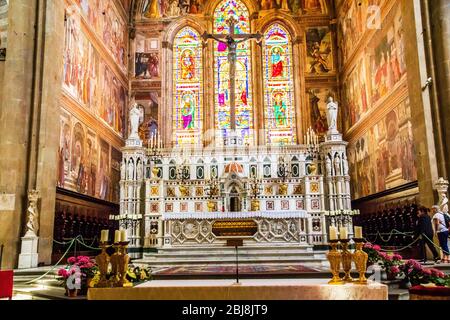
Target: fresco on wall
column 355, row 18
column 387, row 149
column 355, row 89
column 387, row 59
column 104, row 19
column 149, row 126
column 84, row 161
column 314, row 6
column 319, row 50
column 376, row 73
column 89, row 80
column 158, row 9
column 147, row 59
column 317, row 99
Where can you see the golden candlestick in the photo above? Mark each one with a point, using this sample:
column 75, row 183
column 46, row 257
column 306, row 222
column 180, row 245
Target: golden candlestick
column 123, row 265
column 115, row 266
column 334, row 257
column 346, row 257
column 103, row 262
column 360, row 258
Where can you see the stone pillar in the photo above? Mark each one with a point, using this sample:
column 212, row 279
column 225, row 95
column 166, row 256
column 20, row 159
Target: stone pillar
column 420, row 100
column 439, row 12
column 47, row 131
column 15, row 122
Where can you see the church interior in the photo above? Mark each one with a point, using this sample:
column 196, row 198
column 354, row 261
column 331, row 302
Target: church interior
column 192, row 144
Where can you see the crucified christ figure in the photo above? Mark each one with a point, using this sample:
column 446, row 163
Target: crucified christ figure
column 232, row 40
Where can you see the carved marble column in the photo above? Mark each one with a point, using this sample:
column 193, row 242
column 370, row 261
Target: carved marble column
column 28, row 257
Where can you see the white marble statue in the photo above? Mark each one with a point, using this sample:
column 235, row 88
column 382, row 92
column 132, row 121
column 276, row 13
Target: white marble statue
column 122, row 170
column 130, row 171
column 444, row 203
column 345, row 165
column 332, row 113
column 337, row 165
column 32, row 226
column 140, row 170
column 328, row 166
column 136, row 118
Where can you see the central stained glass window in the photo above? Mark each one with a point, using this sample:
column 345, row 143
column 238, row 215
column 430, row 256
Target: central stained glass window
column 243, row 85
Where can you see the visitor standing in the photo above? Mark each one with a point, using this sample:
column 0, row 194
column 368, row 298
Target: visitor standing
column 441, row 229
column 424, row 230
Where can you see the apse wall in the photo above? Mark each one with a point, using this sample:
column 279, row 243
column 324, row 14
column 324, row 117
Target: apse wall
column 309, row 49
column 376, row 113
column 94, row 99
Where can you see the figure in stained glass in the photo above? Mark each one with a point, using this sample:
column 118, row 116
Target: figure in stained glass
column 187, row 65
column 277, row 63
column 188, row 111
column 279, row 110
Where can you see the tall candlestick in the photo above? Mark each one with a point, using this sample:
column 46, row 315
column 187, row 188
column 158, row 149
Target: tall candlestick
column 117, row 236
column 358, row 233
column 343, row 234
column 333, row 233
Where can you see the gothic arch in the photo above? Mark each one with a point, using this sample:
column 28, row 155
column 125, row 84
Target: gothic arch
column 296, row 32
column 177, row 25
column 286, row 20
column 211, row 6
column 166, row 112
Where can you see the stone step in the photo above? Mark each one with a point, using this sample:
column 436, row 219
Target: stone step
column 233, row 254
column 398, row 294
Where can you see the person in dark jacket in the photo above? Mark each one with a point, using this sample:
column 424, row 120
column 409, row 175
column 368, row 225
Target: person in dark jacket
column 424, row 229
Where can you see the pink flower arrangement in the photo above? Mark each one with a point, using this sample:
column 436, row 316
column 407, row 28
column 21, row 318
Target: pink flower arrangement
column 417, row 274
column 395, row 270
column 390, row 263
column 81, row 267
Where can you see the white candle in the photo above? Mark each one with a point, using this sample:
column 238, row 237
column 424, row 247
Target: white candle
column 333, row 233
column 358, row 232
column 123, row 236
column 117, row 236
column 104, row 236
column 343, row 234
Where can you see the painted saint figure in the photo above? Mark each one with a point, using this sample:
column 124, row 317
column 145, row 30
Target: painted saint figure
column 280, row 110
column 188, row 112
column 277, row 63
column 187, row 65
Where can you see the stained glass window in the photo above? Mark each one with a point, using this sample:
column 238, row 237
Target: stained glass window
column 243, row 86
column 187, row 88
column 279, row 113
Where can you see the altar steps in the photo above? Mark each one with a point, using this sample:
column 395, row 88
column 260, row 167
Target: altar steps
column 182, row 256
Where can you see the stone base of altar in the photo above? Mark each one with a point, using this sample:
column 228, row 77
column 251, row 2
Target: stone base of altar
column 248, row 289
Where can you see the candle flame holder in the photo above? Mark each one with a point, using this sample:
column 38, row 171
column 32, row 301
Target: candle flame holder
column 334, row 257
column 123, row 265
column 103, row 260
column 360, row 258
column 346, row 258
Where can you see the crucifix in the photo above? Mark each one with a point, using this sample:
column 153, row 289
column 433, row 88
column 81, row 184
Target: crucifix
column 231, row 40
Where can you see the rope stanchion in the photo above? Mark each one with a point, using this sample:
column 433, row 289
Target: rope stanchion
column 398, row 250
column 437, row 247
column 57, row 263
